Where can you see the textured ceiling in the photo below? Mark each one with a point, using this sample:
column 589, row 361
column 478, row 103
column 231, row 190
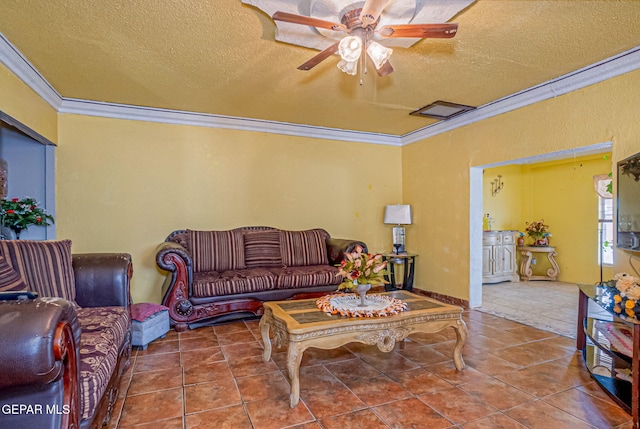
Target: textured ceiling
column 221, row 57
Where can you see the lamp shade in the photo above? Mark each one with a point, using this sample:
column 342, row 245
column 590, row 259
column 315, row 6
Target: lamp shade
column 399, row 214
column 379, row 54
column 350, row 48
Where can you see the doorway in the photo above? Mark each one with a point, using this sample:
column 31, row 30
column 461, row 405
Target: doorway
column 30, row 162
column 476, row 208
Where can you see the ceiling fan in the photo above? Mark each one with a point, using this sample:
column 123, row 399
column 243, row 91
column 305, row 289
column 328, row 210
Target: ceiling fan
column 359, row 23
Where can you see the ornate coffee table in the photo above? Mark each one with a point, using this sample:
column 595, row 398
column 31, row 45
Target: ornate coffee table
column 300, row 324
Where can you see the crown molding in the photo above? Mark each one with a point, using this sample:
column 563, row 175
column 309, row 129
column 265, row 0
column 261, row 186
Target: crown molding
column 25, row 71
column 22, row 68
column 167, row 116
column 606, row 69
column 598, row 72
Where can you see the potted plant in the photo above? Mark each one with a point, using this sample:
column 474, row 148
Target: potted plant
column 18, row 215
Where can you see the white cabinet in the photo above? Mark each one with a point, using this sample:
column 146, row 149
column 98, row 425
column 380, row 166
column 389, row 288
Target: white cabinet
column 499, row 256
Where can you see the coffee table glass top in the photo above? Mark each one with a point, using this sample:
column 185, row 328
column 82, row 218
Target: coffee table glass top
column 304, row 312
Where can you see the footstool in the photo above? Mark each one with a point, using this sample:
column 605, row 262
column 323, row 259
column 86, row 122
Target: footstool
column 149, row 322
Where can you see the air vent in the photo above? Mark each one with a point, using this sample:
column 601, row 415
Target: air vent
column 442, row 110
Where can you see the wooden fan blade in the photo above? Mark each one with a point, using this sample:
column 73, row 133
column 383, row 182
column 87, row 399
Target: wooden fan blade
column 307, row 20
column 371, row 11
column 434, row 31
column 320, row 57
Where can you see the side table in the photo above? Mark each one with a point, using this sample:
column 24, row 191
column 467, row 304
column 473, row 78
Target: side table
column 407, row 260
column 526, row 273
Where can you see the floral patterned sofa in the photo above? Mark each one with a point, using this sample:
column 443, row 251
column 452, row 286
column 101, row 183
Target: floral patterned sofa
column 219, row 275
column 62, row 353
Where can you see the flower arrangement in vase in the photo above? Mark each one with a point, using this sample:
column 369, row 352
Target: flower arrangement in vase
column 624, row 295
column 18, row 215
column 538, row 231
column 361, row 270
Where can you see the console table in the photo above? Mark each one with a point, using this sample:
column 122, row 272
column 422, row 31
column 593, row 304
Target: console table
column 526, row 273
column 408, row 261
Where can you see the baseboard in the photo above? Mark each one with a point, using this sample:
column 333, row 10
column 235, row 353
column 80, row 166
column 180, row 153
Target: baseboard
column 442, row 298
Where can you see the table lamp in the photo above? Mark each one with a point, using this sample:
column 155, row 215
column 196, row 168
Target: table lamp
column 399, row 214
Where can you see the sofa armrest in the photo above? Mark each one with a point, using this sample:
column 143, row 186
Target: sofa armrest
column 39, row 363
column 173, row 257
column 102, row 279
column 27, row 329
column 336, row 248
column 168, row 249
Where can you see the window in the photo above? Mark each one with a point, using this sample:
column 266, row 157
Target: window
column 605, row 230
column 602, row 185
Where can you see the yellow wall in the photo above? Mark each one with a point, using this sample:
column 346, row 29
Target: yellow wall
column 436, row 171
column 22, row 103
column 125, row 185
column 560, row 192
column 505, row 208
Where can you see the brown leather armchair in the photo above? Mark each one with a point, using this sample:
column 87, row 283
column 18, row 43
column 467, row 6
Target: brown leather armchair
column 49, row 375
column 39, row 372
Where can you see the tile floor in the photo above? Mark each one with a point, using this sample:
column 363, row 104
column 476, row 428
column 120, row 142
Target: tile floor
column 516, row 377
column 551, row 306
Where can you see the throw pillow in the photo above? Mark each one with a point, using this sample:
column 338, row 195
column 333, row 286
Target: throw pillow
column 10, row 280
column 300, row 248
column 45, row 266
column 262, row 249
column 216, row 250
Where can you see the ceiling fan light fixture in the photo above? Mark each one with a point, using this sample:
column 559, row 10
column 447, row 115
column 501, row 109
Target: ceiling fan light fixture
column 349, row 67
column 350, row 48
column 379, row 54
column 359, row 20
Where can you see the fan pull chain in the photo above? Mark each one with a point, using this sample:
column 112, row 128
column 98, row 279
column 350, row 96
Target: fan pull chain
column 363, row 60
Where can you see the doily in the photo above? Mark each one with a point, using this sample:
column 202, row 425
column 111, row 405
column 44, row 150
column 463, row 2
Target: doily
column 348, row 304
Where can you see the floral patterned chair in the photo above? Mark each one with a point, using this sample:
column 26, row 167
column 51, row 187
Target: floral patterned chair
column 63, row 353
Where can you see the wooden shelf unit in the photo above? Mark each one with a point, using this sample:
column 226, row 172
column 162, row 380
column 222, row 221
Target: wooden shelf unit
column 601, row 361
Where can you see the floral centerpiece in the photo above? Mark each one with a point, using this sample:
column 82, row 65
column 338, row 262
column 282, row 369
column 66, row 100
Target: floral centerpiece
column 18, row 214
column 359, row 271
column 624, row 294
column 538, row 231
column 361, row 268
